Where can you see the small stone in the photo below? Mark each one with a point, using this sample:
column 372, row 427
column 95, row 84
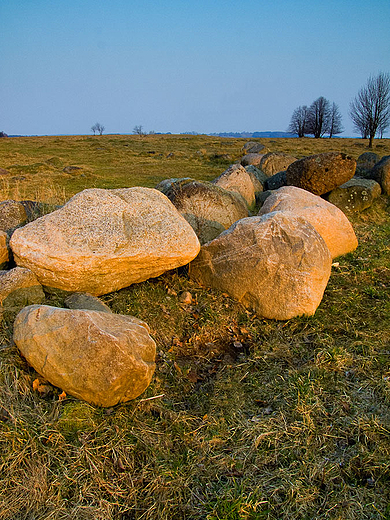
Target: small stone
column 185, row 298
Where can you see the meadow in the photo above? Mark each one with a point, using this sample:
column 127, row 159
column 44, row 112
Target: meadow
column 245, row 418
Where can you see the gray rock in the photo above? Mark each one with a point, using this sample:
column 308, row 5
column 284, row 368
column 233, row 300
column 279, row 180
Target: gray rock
column 86, row 301
column 365, row 162
column 357, row 194
column 381, row 174
column 253, row 147
column 262, row 197
column 276, row 181
column 260, row 176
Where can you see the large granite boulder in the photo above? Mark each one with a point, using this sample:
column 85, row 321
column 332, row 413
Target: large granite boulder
column 18, row 287
column 236, row 178
column 4, row 255
column 357, row 194
column 96, row 356
column 381, row 174
column 330, row 222
column 208, row 208
column 321, row 173
column 103, row 240
column 275, row 162
column 276, row 264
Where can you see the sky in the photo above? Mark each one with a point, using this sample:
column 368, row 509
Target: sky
column 183, row 66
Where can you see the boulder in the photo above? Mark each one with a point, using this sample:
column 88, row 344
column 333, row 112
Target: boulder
column 251, row 158
column 253, row 147
column 237, row 179
column 4, row 256
column 275, row 264
column 85, row 301
column 381, row 174
column 321, row 173
column 275, row 162
column 19, row 287
column 262, row 197
column 357, row 194
column 329, row 222
column 208, row 208
column 260, row 176
column 100, row 357
column 276, row 181
column 365, row 162
column 12, row 215
column 103, row 240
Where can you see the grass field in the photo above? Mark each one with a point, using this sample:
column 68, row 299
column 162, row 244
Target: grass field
column 245, row 418
column 36, row 164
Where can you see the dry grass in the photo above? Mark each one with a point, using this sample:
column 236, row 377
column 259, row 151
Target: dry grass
column 116, row 161
column 246, row 418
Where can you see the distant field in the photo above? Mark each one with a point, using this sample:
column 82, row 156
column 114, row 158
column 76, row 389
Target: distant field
column 245, row 418
column 36, row 164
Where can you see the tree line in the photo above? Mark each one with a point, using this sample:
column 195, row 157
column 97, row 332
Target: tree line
column 369, row 111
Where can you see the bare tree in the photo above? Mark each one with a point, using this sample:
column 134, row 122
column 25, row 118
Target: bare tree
column 334, row 124
column 319, row 115
column 299, row 120
column 382, row 127
column 138, row 130
column 97, row 127
column 370, row 109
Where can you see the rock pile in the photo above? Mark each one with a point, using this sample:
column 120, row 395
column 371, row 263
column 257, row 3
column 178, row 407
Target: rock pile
column 277, row 262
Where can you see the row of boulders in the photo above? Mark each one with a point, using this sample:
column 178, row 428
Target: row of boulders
column 372, row 176
column 277, row 263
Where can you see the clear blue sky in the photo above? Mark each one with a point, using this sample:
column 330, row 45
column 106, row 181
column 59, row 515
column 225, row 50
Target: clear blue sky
column 178, row 65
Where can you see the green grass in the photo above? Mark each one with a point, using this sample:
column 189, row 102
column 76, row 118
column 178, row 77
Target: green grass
column 245, row 418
